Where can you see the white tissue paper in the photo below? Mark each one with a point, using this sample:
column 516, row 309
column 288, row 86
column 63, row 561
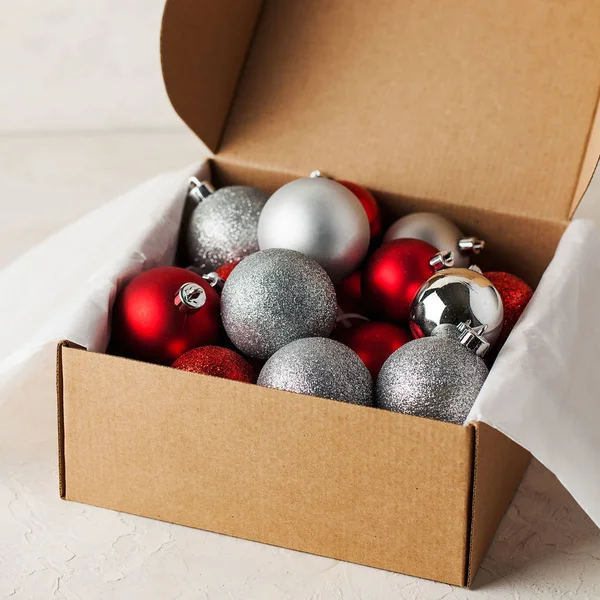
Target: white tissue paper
column 542, row 391
column 544, row 388
column 64, row 287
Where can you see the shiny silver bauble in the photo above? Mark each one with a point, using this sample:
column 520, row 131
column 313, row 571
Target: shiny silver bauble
column 319, row 367
column 320, row 218
column 454, row 296
column 223, row 226
column 433, row 377
column 433, row 229
column 274, row 297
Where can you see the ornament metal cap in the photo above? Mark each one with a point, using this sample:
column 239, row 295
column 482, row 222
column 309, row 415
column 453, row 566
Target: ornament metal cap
column 442, row 260
column 190, row 297
column 472, row 338
column 471, row 244
column 317, row 173
column 476, row 269
column 199, row 190
column 214, row 280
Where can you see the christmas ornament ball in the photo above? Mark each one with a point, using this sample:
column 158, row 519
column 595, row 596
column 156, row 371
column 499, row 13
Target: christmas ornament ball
column 349, row 293
column 163, row 312
column 373, row 341
column 515, row 294
column 216, row 361
column 319, row 367
column 433, row 377
column 320, row 218
column 223, row 226
column 274, row 297
column 437, row 231
column 225, row 270
column 393, row 274
column 368, row 203
column 454, row 296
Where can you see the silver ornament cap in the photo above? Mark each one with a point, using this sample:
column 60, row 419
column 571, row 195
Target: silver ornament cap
column 454, row 296
column 434, row 377
column 320, row 218
column 274, row 297
column 190, row 297
column 472, row 338
column 319, row 367
column 223, row 227
column 437, row 231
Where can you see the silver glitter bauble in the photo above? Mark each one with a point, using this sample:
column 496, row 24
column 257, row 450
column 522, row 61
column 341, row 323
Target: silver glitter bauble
column 431, row 377
column 437, row 231
column 274, row 297
column 320, row 218
column 454, row 296
column 319, row 367
column 223, row 227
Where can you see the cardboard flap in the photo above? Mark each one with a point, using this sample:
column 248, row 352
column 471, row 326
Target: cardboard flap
column 475, row 103
column 203, row 48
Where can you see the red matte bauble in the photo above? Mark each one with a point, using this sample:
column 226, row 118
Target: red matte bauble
column 148, row 324
column 373, row 341
column 217, row 362
column 225, row 270
column 347, row 321
column 349, row 294
column 393, row 275
column 369, row 204
column 515, row 294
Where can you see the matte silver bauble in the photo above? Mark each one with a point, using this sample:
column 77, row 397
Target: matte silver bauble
column 274, row 297
column 223, row 226
column 454, row 296
column 437, row 231
column 320, row 218
column 433, row 377
column 319, row 367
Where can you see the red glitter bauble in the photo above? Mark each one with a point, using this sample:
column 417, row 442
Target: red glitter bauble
column 373, row 341
column 369, row 204
column 151, row 324
column 515, row 294
column 217, row 362
column 393, row 275
column 225, row 270
column 349, row 294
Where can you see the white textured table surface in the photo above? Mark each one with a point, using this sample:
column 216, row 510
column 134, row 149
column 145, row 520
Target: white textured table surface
column 83, row 116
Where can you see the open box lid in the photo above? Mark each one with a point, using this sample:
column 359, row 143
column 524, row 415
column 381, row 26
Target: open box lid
column 482, row 104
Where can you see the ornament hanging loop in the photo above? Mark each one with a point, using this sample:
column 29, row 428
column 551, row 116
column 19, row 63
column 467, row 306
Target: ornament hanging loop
column 471, row 244
column 199, row 190
column 190, row 297
column 442, row 260
column 472, row 338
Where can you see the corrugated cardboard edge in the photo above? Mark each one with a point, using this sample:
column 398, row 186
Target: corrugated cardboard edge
column 589, row 161
column 62, row 486
column 498, row 468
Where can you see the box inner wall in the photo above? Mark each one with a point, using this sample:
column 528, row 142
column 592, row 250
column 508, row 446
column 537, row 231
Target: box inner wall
column 517, row 244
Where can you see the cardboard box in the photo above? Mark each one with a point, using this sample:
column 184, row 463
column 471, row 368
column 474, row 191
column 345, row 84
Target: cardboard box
column 480, row 111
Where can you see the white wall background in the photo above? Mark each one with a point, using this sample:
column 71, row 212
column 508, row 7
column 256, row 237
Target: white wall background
column 83, row 111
